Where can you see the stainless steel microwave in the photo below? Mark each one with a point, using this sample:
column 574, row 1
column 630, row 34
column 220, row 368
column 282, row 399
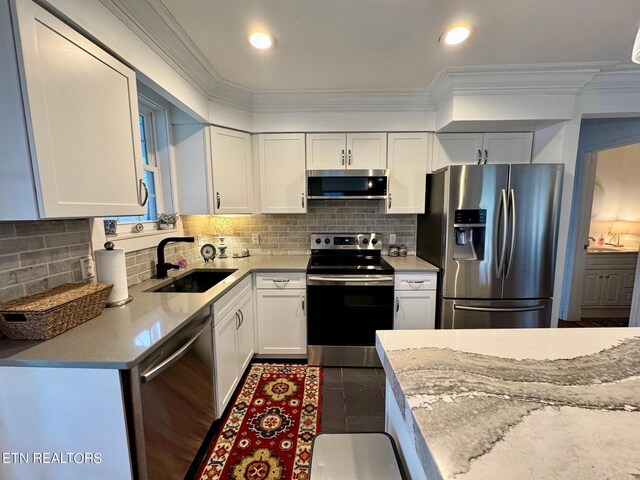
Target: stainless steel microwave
column 354, row 184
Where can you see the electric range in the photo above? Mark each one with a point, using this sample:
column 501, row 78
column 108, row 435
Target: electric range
column 350, row 296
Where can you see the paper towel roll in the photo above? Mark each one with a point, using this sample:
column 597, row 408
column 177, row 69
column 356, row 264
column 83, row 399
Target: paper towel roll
column 112, row 269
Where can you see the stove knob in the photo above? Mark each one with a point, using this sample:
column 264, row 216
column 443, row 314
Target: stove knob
column 365, row 241
column 374, row 241
column 318, row 241
column 326, row 240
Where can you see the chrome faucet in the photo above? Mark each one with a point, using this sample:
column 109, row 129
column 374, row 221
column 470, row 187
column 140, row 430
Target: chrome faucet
column 163, row 267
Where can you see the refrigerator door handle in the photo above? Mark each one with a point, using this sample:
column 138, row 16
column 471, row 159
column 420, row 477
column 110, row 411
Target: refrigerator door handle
column 499, row 264
column 493, row 309
column 512, row 206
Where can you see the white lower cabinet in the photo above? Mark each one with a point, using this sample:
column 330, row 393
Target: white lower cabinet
column 233, row 340
column 415, row 302
column 282, row 328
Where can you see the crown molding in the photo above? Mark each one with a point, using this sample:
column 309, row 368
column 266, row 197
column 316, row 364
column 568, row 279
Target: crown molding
column 532, row 79
column 342, row 100
column 619, row 79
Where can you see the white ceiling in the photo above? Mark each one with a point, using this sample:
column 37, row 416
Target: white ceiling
column 391, row 45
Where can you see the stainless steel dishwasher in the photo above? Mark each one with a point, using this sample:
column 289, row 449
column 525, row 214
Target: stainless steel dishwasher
column 172, row 404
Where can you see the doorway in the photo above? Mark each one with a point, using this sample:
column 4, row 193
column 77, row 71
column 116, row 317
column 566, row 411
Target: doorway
column 601, row 287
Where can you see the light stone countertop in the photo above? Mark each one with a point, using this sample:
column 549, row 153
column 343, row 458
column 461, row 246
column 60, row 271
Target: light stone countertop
column 410, row 264
column 120, row 337
column 519, row 403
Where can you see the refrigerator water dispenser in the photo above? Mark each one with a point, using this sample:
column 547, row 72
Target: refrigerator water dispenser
column 469, row 231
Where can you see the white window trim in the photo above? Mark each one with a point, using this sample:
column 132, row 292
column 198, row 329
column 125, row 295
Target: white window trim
column 129, row 241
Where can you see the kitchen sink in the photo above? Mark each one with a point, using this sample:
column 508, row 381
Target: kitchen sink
column 197, row 281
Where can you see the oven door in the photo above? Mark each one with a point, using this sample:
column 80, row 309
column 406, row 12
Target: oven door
column 346, row 310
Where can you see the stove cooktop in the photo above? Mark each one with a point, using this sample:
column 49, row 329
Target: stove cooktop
column 347, row 253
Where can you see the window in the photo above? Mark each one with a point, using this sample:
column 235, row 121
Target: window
column 149, row 164
column 157, row 163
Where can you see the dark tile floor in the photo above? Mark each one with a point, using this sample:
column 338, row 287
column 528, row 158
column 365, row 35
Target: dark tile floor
column 352, row 400
column 594, row 323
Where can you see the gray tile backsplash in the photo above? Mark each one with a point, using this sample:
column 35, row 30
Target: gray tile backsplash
column 36, row 256
column 279, row 234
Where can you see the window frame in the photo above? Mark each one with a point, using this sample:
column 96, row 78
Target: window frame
column 161, row 164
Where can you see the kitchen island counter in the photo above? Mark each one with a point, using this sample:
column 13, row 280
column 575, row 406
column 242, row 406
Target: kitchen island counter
column 120, row 337
column 526, row 404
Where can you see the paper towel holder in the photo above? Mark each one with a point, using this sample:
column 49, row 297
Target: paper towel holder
column 109, row 246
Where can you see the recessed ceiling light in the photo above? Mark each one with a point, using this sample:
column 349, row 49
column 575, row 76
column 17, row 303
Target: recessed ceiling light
column 262, row 40
column 455, row 35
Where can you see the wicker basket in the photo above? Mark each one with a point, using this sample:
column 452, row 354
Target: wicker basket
column 47, row 314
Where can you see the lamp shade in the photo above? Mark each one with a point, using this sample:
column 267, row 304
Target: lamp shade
column 634, row 228
column 635, row 55
column 619, row 227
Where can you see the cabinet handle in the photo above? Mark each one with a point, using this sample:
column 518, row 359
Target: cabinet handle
column 397, row 304
column 479, row 157
column 389, row 201
column 237, row 321
column 241, row 317
column 303, row 303
column 415, row 282
column 349, row 156
column 302, row 195
column 342, row 157
column 607, row 276
column 281, row 281
column 600, row 276
column 217, row 199
column 146, row 193
column 486, row 156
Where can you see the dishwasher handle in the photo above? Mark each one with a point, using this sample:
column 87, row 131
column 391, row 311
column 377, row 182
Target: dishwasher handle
column 155, row 370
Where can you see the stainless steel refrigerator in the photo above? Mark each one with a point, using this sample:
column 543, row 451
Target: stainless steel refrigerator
column 493, row 231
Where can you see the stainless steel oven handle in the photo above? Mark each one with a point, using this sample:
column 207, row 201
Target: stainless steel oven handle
column 152, row 372
column 493, row 309
column 352, row 279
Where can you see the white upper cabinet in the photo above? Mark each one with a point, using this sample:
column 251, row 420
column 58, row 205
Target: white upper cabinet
column 367, row 151
column 214, row 170
column 337, row 151
column 70, row 140
column 408, row 164
column 326, row 151
column 282, row 173
column 481, row 148
column 232, row 171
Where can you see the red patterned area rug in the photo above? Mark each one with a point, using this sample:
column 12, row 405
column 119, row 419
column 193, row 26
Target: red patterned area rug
column 270, row 427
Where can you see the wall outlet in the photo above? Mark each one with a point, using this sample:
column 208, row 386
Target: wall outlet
column 392, row 238
column 88, row 267
column 255, row 238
